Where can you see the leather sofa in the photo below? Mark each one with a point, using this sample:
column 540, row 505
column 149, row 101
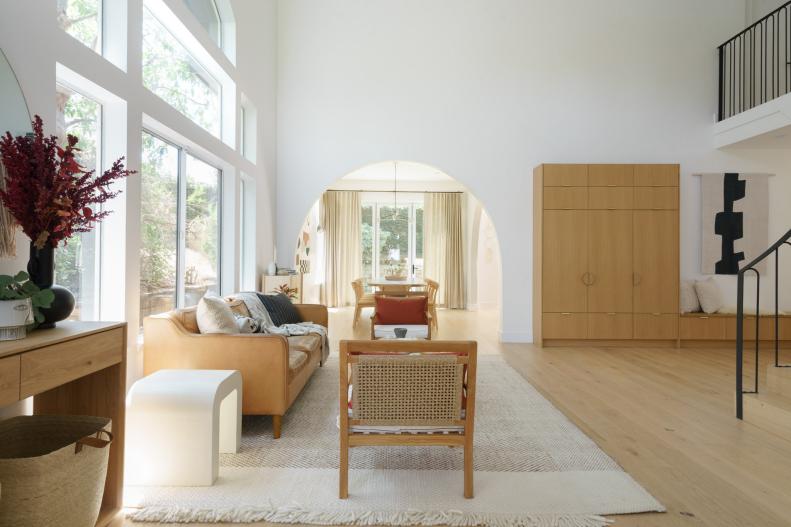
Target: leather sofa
column 274, row 368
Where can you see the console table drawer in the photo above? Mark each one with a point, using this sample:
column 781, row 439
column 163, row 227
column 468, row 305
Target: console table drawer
column 52, row 366
column 9, row 380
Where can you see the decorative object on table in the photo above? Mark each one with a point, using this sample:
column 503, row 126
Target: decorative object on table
column 53, row 469
column 21, row 302
column 271, row 269
column 52, row 198
column 275, row 284
column 284, row 289
column 400, row 332
column 735, row 220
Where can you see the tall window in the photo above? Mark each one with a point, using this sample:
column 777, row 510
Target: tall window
column 392, row 239
column 180, row 219
column 82, row 19
column 77, row 262
column 172, row 73
column 201, row 231
column 209, row 17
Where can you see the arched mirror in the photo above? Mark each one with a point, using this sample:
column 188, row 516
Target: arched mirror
column 14, row 115
column 15, row 118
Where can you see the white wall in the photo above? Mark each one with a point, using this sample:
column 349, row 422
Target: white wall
column 484, row 91
column 33, row 44
column 757, row 9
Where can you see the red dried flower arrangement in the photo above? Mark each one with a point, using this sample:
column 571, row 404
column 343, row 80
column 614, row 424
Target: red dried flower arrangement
column 47, row 191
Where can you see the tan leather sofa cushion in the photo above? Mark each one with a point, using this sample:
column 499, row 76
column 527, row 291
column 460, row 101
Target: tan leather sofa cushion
column 297, row 361
column 310, row 344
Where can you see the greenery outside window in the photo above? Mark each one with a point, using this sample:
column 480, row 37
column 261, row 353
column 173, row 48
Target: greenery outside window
column 173, row 74
column 77, row 262
column 392, row 238
column 180, row 220
column 82, row 19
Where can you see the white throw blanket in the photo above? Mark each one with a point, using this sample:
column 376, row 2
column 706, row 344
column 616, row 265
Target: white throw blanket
column 265, row 325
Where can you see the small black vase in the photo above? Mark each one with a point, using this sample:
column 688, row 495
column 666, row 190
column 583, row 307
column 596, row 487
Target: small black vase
column 41, row 268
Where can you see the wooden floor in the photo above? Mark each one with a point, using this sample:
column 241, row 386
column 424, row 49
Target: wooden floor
column 666, row 415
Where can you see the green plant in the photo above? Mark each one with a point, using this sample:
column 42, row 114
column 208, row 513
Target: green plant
column 19, row 287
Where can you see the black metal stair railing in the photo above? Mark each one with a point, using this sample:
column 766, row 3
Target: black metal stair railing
column 755, row 64
column 751, row 267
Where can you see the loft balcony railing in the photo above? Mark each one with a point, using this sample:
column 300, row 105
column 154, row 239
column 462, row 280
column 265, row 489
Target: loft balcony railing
column 754, row 65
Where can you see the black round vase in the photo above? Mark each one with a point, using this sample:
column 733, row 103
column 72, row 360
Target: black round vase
column 41, row 268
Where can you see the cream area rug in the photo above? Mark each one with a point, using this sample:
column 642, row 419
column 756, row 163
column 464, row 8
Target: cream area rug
column 533, row 467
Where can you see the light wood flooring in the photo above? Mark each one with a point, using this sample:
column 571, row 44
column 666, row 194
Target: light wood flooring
column 666, row 415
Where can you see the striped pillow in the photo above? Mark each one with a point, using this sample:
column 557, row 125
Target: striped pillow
column 280, row 309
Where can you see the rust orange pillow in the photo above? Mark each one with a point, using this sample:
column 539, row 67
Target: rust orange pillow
column 396, row 310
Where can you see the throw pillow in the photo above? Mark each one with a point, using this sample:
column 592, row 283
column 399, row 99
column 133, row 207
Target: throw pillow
column 689, row 298
column 709, row 295
column 214, row 315
column 280, row 309
column 401, row 310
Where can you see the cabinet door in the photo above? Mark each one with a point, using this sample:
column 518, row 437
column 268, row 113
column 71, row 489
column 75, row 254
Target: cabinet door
column 565, row 261
column 610, row 255
column 656, row 279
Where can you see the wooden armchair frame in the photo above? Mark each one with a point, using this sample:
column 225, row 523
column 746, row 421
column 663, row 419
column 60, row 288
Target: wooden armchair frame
column 464, row 352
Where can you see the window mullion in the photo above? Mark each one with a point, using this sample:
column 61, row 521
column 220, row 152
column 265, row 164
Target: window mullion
column 181, row 228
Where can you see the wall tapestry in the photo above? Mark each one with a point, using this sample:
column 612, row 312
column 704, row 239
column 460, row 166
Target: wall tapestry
column 735, row 214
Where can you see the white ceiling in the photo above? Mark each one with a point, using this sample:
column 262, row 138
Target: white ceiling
column 407, row 171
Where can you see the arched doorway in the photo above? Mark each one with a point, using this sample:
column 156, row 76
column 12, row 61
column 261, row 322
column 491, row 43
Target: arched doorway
column 393, row 198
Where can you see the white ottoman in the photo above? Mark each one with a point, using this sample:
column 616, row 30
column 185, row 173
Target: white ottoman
column 177, row 423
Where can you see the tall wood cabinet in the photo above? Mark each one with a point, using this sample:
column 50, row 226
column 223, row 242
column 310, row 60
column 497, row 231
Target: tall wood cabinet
column 606, row 256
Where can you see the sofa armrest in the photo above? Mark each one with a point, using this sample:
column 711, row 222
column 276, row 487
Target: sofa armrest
column 316, row 313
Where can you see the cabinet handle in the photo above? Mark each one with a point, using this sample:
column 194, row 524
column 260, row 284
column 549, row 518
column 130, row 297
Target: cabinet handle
column 636, row 279
column 585, row 277
column 611, row 314
column 593, row 278
column 565, row 314
column 703, row 318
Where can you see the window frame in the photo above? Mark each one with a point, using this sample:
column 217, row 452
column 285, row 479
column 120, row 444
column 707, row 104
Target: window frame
column 207, row 72
column 98, row 231
column 181, row 215
column 376, row 205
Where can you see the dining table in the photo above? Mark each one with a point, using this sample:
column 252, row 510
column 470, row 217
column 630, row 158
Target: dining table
column 400, row 287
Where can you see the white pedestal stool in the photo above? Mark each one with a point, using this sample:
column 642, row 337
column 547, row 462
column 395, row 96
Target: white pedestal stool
column 177, row 423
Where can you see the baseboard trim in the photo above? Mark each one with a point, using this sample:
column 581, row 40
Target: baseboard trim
column 518, row 337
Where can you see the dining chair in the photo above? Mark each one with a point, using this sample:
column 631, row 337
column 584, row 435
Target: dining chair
column 409, row 313
column 407, row 393
column 431, row 292
column 361, row 299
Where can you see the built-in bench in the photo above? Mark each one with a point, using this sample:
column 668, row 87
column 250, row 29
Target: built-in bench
column 695, row 328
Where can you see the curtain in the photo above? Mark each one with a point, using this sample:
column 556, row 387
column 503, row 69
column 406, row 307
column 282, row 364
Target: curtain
column 340, row 219
column 443, row 247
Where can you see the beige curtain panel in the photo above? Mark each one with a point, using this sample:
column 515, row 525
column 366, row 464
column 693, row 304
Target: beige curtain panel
column 443, row 247
column 340, row 219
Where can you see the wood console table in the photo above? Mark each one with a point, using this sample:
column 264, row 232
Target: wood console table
column 77, row 368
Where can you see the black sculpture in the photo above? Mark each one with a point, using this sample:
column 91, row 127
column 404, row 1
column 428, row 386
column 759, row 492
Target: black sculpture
column 730, row 225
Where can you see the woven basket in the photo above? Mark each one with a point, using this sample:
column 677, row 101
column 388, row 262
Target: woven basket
column 52, row 470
